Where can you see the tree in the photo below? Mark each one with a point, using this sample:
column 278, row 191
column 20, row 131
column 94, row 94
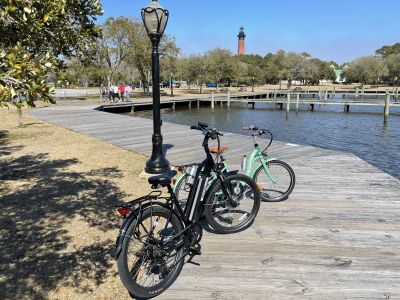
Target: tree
column 193, row 69
column 386, row 51
column 113, row 47
column 366, row 70
column 140, row 52
column 221, row 65
column 393, row 63
column 35, row 37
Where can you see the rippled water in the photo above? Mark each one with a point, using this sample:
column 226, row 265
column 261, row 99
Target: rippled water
column 361, row 131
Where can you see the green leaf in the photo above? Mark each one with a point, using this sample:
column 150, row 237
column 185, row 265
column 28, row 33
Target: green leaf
column 27, row 10
column 46, row 18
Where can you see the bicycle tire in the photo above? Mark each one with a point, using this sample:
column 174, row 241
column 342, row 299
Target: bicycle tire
column 285, row 183
column 152, row 252
column 219, row 220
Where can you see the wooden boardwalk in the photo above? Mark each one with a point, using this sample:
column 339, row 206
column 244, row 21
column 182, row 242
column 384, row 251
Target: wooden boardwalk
column 337, row 237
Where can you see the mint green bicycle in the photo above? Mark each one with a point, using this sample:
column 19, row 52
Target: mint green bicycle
column 275, row 178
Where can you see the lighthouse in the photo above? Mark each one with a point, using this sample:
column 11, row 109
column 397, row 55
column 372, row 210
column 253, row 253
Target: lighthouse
column 241, row 37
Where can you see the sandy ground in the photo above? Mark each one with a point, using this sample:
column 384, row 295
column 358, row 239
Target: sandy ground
column 57, row 222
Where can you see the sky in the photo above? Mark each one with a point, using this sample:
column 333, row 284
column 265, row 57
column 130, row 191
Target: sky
column 336, row 30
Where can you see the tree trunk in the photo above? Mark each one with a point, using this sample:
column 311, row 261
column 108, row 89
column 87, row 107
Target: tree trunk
column 20, row 119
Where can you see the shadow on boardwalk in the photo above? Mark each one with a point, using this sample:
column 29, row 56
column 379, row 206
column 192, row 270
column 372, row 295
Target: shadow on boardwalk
column 37, row 252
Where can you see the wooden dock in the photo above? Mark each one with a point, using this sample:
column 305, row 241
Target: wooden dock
column 290, row 100
column 337, row 237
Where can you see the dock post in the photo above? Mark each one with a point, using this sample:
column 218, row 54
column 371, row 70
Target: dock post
column 319, row 94
column 173, row 106
column 334, row 91
column 190, row 105
column 274, row 93
column 212, row 100
column 297, row 102
column 132, row 109
column 326, row 95
column 288, row 103
column 228, row 98
column 198, row 104
column 387, row 107
column 397, row 94
column 346, row 108
column 312, row 107
column 356, row 95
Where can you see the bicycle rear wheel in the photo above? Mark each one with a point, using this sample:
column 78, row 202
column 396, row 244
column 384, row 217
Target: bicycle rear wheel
column 284, row 178
column 236, row 211
column 151, row 259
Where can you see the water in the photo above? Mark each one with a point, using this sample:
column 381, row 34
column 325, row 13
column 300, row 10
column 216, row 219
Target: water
column 360, row 132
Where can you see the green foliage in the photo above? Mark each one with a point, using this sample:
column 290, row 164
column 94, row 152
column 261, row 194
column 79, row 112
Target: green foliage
column 23, row 76
column 366, row 70
column 386, row 51
column 393, row 63
column 221, row 65
column 35, row 35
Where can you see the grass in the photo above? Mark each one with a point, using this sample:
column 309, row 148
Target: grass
column 58, row 190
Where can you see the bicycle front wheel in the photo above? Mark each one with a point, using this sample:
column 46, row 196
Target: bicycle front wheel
column 280, row 186
column 232, row 205
column 182, row 190
column 152, row 257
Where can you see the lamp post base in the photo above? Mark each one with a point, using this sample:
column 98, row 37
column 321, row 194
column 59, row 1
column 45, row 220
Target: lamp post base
column 157, row 164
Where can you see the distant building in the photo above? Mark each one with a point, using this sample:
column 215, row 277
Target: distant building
column 241, row 36
column 339, row 73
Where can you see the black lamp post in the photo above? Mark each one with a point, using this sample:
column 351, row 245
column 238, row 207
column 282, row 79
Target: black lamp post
column 155, row 20
column 171, row 84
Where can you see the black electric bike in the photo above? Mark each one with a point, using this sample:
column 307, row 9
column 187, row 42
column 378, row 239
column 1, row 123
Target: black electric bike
column 157, row 234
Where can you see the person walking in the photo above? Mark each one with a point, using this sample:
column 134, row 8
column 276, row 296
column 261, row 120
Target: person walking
column 128, row 90
column 121, row 91
column 116, row 93
column 111, row 93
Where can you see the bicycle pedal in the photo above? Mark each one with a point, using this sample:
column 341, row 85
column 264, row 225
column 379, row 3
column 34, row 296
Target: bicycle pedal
column 195, row 249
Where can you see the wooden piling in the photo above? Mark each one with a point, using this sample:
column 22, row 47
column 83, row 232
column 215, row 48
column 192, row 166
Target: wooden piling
column 132, row 109
column 228, row 99
column 212, row 100
column 173, row 105
column 312, row 107
column 387, row 108
column 274, row 93
column 326, row 95
column 198, row 104
column 190, row 105
column 297, row 102
column 346, row 108
column 288, row 103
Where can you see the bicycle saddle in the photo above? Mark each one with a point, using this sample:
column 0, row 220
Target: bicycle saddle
column 162, row 179
column 220, row 150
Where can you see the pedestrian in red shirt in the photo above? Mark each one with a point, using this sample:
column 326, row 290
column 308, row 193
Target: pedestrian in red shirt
column 121, row 91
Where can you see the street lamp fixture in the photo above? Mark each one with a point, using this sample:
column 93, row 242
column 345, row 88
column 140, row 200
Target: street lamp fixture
column 155, row 20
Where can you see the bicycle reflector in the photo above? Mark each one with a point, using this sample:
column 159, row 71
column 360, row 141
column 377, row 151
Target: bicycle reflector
column 123, row 211
column 260, row 187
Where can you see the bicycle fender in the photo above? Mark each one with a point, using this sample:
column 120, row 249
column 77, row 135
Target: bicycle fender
column 115, row 252
column 215, row 182
column 177, row 179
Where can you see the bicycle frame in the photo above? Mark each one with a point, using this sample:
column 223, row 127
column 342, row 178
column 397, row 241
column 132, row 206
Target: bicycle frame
column 191, row 214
